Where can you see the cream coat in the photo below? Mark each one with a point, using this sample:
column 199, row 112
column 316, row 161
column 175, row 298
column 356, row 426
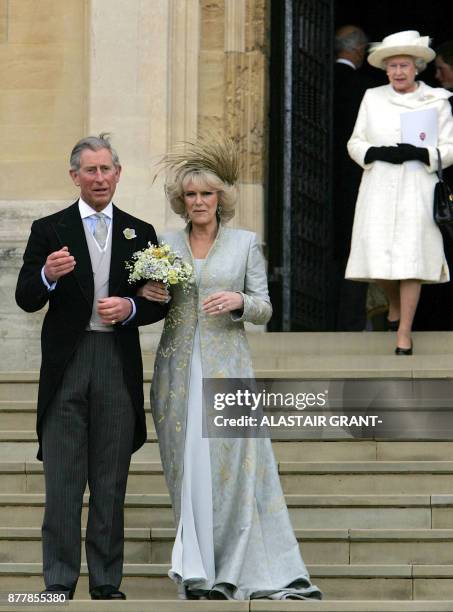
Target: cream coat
column 394, row 235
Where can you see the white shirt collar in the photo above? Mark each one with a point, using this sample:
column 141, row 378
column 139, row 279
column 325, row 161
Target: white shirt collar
column 86, row 210
column 342, row 60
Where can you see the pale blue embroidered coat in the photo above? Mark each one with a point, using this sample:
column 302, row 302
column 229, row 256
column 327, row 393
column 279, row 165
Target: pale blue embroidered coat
column 255, row 547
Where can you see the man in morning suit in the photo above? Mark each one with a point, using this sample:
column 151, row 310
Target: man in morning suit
column 349, row 86
column 90, row 401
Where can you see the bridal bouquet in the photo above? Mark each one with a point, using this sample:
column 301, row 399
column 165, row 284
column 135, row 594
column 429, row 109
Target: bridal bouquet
column 159, row 263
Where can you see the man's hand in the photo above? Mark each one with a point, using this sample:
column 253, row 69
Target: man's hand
column 58, row 264
column 114, row 310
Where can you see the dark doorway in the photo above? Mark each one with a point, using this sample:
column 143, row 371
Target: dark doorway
column 299, row 208
column 299, row 198
column 379, row 19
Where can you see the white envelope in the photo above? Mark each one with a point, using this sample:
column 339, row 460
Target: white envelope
column 419, row 128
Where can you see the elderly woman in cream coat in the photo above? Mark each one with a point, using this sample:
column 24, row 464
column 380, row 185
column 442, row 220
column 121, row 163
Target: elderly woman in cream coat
column 234, row 538
column 395, row 241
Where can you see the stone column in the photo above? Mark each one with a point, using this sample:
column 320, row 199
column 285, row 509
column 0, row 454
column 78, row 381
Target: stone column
column 184, row 44
column 233, row 92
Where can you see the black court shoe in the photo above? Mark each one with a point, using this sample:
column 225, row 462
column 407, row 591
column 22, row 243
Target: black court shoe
column 404, row 351
column 392, row 325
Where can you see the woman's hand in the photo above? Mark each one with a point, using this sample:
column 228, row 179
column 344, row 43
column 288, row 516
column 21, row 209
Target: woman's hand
column 154, row 291
column 223, row 301
column 403, row 152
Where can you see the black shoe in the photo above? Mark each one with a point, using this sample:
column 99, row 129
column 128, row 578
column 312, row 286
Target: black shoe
column 404, row 351
column 68, row 592
column 106, row 591
column 392, row 325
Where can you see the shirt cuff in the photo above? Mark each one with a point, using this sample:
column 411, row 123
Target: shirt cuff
column 133, row 311
column 49, row 286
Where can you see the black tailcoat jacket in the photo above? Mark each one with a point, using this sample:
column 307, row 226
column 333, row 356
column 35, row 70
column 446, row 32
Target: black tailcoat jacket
column 71, row 302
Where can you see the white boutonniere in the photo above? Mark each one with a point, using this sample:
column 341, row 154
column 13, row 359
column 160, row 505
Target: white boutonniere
column 129, row 233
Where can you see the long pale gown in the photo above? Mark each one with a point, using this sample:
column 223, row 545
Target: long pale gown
column 192, row 559
column 193, row 562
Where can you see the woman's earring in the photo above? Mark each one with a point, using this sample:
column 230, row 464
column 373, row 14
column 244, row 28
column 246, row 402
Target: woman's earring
column 219, row 211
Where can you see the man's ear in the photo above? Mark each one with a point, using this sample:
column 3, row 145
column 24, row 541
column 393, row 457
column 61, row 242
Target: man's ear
column 75, row 177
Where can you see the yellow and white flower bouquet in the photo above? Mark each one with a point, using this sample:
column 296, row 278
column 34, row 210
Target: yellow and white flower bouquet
column 159, row 263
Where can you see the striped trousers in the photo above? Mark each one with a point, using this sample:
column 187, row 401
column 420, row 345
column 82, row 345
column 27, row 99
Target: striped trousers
column 87, row 437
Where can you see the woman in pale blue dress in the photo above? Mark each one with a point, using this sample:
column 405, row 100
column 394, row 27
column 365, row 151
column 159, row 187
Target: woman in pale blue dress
column 234, row 539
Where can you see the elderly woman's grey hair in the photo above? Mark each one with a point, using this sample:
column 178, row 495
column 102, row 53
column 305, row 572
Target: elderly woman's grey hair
column 420, row 63
column 227, row 194
column 93, row 143
column 350, row 40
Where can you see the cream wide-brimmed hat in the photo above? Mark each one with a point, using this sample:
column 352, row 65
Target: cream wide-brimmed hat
column 408, row 42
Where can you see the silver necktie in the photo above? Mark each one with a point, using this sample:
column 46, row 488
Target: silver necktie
column 101, row 230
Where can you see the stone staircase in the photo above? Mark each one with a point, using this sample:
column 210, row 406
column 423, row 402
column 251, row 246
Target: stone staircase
column 374, row 517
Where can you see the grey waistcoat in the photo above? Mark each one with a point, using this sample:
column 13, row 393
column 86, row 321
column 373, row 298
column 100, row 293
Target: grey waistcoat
column 100, row 263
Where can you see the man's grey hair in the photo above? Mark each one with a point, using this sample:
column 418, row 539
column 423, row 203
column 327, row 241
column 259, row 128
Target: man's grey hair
column 351, row 41
column 93, row 143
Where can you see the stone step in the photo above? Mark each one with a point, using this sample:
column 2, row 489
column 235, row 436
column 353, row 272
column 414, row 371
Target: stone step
column 143, row 581
column 18, row 416
column 334, row 477
column 27, row 390
column 372, row 357
column 18, row 420
column 367, row 477
column 342, row 343
column 306, row 511
column 18, row 387
column 318, row 546
column 373, row 477
column 285, row 450
column 300, row 450
column 18, row 392
column 350, row 606
column 153, row 605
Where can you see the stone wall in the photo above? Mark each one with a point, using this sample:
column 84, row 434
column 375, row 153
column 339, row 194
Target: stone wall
column 43, row 90
column 233, row 91
column 151, row 72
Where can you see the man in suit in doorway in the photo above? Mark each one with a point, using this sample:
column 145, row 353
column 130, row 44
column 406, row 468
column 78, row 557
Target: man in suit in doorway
column 90, row 403
column 349, row 86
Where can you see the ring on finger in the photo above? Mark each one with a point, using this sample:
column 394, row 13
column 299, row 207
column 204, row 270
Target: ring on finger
column 220, row 306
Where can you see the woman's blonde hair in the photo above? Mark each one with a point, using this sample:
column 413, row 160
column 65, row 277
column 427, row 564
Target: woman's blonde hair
column 208, row 163
column 202, row 179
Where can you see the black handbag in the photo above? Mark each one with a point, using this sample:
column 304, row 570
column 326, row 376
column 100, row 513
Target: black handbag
column 443, row 203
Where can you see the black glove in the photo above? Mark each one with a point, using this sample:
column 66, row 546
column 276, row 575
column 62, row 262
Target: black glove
column 414, row 153
column 392, row 155
column 397, row 155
